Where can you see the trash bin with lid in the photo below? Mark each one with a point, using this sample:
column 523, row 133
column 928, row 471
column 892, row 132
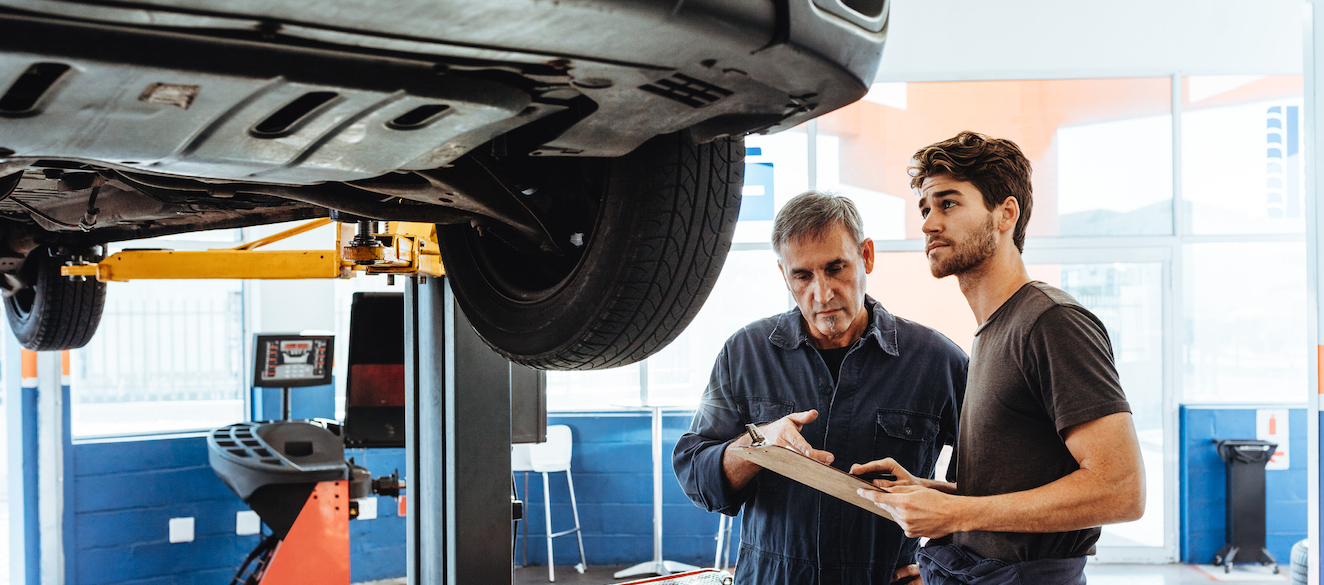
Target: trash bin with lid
column 1245, row 459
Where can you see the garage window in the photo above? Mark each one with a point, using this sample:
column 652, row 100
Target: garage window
column 749, row 289
column 168, row 356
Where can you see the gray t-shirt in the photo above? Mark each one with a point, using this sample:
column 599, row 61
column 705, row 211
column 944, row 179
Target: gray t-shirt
column 1041, row 364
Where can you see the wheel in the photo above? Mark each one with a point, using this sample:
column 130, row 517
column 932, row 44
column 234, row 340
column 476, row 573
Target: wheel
column 663, row 219
column 1300, row 562
column 50, row 312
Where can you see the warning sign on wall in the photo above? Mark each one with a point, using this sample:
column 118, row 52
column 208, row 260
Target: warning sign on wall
column 1271, row 425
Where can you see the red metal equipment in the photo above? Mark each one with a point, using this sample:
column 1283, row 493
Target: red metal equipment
column 317, row 548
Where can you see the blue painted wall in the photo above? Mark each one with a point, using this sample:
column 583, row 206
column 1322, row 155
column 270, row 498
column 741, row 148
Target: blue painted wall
column 124, row 495
column 612, row 467
column 377, row 547
column 305, row 402
column 125, row 492
column 1204, row 477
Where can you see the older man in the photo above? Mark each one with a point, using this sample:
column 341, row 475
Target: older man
column 839, row 379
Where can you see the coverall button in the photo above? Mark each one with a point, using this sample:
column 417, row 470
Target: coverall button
column 907, row 431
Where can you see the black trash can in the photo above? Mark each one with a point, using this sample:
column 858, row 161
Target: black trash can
column 1245, row 459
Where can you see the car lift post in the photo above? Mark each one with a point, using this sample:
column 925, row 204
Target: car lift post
column 457, row 444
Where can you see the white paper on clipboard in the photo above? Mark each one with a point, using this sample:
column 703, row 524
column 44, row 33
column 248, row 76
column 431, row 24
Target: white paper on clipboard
column 824, row 478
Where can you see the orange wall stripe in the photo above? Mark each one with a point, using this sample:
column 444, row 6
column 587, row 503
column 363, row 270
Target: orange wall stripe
column 1319, row 363
column 64, row 362
column 30, row 363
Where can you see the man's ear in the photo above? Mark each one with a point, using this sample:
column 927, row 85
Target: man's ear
column 866, row 248
column 1008, row 212
column 782, row 271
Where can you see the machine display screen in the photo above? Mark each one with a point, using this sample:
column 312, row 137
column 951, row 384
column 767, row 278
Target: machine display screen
column 287, row 360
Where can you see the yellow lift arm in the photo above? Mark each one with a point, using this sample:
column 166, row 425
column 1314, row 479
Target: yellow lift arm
column 405, row 248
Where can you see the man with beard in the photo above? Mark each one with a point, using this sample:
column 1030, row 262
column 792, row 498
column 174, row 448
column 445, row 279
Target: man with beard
column 1047, row 450
column 838, row 379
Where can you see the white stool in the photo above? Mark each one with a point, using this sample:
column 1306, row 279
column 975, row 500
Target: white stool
column 546, row 458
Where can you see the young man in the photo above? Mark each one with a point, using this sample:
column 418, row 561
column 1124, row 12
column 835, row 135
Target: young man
column 1047, row 450
column 839, row 379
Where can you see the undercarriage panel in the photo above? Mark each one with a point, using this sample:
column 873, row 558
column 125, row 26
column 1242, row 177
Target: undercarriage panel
column 321, row 117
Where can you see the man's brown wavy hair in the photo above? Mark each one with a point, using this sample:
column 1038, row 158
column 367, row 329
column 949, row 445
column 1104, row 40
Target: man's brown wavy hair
column 995, row 166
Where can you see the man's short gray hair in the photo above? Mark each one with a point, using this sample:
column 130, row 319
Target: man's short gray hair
column 812, row 214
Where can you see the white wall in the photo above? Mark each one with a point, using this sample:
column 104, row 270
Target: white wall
column 290, row 306
column 949, row 40
column 285, row 306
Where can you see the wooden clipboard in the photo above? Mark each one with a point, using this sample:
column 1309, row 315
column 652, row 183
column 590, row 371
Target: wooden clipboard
column 824, row 478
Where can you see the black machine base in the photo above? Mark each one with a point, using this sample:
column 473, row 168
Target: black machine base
column 1228, row 555
column 1245, row 460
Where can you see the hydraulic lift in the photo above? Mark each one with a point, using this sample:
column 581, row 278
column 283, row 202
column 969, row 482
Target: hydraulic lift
column 404, row 248
column 458, row 428
column 464, row 406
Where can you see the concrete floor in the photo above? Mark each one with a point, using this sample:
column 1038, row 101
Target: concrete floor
column 1182, row 574
column 1095, row 573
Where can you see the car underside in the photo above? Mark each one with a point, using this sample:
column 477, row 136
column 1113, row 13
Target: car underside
column 533, row 133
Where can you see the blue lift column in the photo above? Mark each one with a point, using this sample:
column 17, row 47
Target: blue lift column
column 458, row 436
column 21, row 426
column 37, row 419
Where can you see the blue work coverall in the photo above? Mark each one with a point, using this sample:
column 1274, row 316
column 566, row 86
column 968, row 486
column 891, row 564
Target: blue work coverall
column 898, row 395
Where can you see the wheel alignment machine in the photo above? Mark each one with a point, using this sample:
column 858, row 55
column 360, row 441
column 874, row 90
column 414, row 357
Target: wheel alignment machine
column 457, row 392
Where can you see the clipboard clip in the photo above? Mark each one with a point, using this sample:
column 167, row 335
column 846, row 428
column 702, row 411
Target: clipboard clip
column 754, row 435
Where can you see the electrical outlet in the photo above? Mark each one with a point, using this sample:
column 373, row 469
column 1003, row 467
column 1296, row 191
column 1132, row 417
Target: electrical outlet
column 247, row 522
column 181, row 529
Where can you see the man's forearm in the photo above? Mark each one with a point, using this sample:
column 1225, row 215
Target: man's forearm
column 738, row 470
column 946, row 487
column 784, row 432
column 1108, row 487
column 1080, row 500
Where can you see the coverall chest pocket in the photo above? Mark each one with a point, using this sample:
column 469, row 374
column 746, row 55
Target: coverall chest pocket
column 761, row 412
column 765, row 410
column 908, row 437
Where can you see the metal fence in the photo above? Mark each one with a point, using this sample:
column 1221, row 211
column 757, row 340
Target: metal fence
column 169, row 349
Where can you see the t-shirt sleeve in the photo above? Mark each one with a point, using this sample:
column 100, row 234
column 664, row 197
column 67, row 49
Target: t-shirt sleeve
column 1072, row 369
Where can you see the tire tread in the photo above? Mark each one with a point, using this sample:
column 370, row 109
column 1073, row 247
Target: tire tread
column 66, row 314
column 687, row 232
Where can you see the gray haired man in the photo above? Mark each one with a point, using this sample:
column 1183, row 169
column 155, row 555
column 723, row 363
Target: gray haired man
column 839, row 379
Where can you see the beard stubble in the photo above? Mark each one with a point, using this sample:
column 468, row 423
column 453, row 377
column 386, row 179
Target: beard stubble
column 968, row 253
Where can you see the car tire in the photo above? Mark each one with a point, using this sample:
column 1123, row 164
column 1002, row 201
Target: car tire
column 663, row 229
column 1300, row 562
column 54, row 312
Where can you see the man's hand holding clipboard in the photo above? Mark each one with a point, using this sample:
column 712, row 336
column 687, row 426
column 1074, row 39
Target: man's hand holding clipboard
column 813, row 472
